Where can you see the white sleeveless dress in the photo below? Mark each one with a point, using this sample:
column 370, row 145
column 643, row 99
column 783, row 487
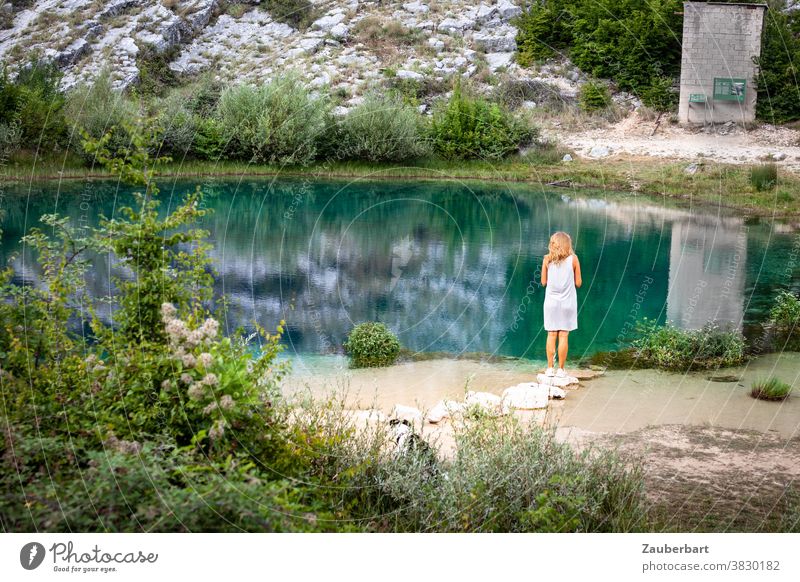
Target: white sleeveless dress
column 560, row 298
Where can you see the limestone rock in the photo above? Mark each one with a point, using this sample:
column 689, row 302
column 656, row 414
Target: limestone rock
column 599, row 151
column 409, row 413
column 412, row 75
column 555, row 381
column 498, row 60
column 445, row 409
column 491, row 403
column 566, row 158
column 507, row 10
column 416, row 7
column 326, row 23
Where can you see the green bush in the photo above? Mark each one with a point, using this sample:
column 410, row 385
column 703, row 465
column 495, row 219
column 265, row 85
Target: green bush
column 371, row 345
column 784, row 321
column 468, row 127
column 778, row 91
column 659, row 94
column 32, row 109
column 278, row 122
column 155, row 75
column 764, row 176
column 671, row 348
column 98, row 109
column 594, row 96
column 512, row 93
column 296, row 13
column 770, row 389
column 630, row 42
column 382, row 129
column 502, row 477
column 175, row 124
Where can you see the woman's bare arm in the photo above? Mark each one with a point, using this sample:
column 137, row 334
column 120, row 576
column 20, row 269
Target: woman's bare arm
column 576, row 267
column 544, row 270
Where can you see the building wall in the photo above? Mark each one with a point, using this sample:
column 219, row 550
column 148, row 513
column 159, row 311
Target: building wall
column 719, row 40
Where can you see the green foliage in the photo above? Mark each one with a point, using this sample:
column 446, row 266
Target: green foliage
column 778, row 90
column 278, row 122
column 98, row 110
column 770, row 389
column 784, row 321
column 594, row 96
column 513, row 92
column 470, row 127
column 503, row 477
column 296, row 13
column 32, row 109
column 155, row 75
column 635, row 44
column 764, row 176
column 671, row 348
column 371, row 345
column 382, row 129
column 660, row 94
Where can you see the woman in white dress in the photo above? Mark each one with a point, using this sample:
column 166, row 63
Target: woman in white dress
column 561, row 275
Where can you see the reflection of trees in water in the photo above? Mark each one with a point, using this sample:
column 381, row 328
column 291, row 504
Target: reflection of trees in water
column 446, row 267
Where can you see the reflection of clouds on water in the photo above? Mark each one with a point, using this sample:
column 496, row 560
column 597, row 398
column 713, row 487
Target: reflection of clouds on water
column 452, row 271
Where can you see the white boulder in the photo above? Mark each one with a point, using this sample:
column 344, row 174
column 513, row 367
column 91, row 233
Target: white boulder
column 445, row 409
column 409, row 413
column 508, row 10
column 498, row 60
column 527, row 396
column 416, row 7
column 406, row 74
column 327, row 22
column 491, row 403
column 556, row 381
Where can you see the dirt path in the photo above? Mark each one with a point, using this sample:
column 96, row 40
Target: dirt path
column 633, row 136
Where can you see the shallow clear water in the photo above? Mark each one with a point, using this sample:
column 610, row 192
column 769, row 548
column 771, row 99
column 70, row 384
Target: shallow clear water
column 448, row 267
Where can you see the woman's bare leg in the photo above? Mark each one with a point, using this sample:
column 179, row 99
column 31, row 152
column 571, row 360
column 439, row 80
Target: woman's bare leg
column 551, row 347
column 563, row 346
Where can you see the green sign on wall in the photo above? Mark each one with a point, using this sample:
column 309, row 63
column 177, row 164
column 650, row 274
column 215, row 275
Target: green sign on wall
column 729, row 89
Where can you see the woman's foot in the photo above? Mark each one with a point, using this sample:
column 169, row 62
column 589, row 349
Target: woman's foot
column 549, row 372
column 561, row 373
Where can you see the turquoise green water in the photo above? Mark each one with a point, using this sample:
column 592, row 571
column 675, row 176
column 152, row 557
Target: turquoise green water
column 448, row 267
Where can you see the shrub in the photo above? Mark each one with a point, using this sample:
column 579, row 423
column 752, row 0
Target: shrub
column 512, row 93
column 776, row 81
column 470, row 127
column 659, row 94
column 97, row 108
column 764, row 176
column 631, row 42
column 503, row 477
column 594, row 96
column 175, row 124
column 32, row 108
column 278, row 122
column 382, row 129
column 672, row 348
column 155, row 75
column 770, row 389
column 371, row 345
column 784, row 321
column 297, row 13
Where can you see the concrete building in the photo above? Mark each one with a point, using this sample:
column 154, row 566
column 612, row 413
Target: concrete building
column 718, row 73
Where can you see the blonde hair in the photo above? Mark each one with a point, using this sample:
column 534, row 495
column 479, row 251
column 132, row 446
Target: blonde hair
column 560, row 247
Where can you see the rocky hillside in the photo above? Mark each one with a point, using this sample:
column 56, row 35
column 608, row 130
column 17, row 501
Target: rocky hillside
column 345, row 45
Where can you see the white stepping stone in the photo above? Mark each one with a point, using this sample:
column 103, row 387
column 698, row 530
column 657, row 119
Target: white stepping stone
column 409, row 413
column 527, row 396
column 555, row 381
column 487, row 401
column 445, row 409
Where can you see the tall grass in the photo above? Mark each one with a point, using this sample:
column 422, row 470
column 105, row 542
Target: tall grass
column 764, row 177
column 502, row 477
column 770, row 389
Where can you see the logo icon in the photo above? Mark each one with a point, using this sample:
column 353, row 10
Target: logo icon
column 31, row 555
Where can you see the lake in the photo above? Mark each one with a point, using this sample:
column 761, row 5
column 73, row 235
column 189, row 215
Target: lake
column 449, row 267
